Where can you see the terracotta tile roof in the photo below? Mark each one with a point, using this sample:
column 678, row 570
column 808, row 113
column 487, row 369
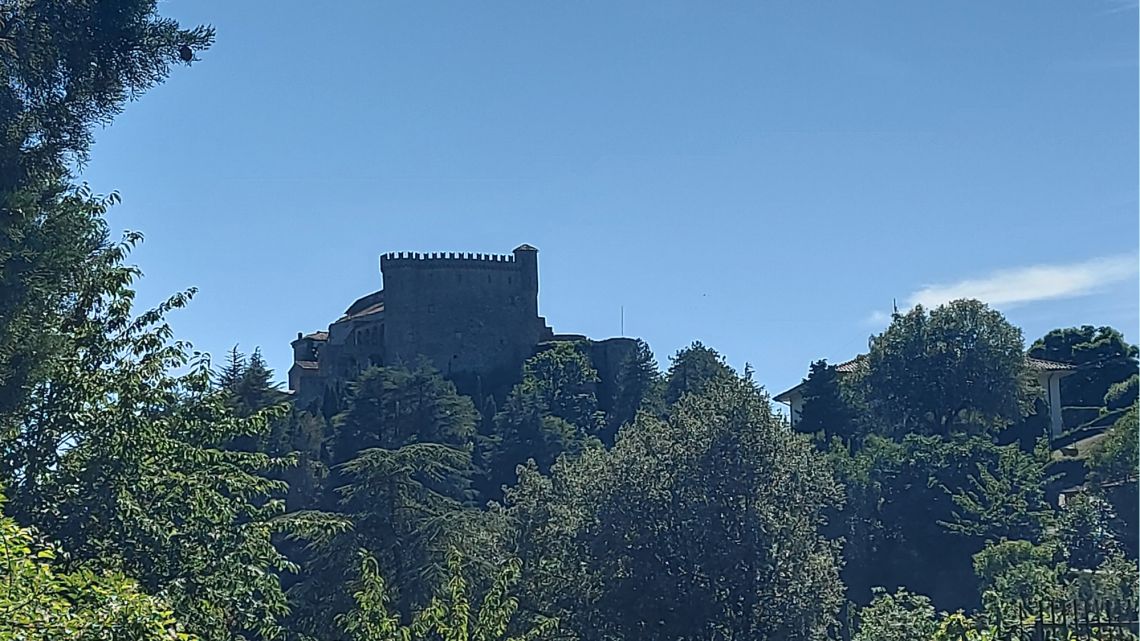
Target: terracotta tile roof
column 318, row 336
column 1048, row 366
column 307, row 364
column 367, row 311
column 853, row 365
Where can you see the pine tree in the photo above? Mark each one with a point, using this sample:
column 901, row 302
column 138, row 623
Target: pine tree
column 694, row 368
column 639, row 387
column 552, row 411
column 826, row 410
column 229, row 377
column 400, row 471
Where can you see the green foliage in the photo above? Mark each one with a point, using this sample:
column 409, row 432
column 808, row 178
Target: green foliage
column 959, row 627
column 401, row 481
column 389, row 407
column 1016, row 574
column 639, row 387
column 121, row 463
column 1116, row 458
column 1103, row 357
column 1005, row 498
column 552, row 411
column 919, row 509
column 450, row 615
column 693, row 369
column 1123, row 394
column 40, row 601
column 561, row 380
column 1085, row 529
column 679, row 530
column 827, row 409
column 958, row 368
column 71, row 65
column 901, row 616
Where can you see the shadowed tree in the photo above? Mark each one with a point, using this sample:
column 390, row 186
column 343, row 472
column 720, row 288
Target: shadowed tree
column 826, row 408
column 639, row 386
column 692, row 369
column 1101, row 354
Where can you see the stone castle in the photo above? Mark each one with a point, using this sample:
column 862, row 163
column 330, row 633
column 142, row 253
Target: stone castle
column 473, row 316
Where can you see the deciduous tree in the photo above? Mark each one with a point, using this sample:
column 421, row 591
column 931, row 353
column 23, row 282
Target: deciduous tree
column 958, row 368
column 678, row 531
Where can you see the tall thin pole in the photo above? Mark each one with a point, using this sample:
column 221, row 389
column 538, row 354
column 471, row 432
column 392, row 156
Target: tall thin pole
column 623, row 320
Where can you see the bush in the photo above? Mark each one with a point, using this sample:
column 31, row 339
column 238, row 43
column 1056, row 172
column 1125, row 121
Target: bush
column 901, row 616
column 1123, row 394
column 1116, row 458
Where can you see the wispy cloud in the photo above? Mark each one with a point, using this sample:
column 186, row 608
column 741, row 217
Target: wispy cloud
column 877, row 318
column 1120, row 6
column 1012, row 287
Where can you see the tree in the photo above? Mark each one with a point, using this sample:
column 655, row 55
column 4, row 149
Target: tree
column 677, row 531
column 1005, row 497
column 1101, row 354
column 1123, row 394
column 901, row 616
column 562, row 380
column 694, row 368
column 401, row 470
column 920, row 508
column 1085, row 529
column 70, row 66
column 450, row 616
column 552, row 411
column 1015, row 573
column 960, row 367
column 639, row 386
column 122, row 463
column 826, row 409
column 1116, row 458
column 41, row 601
column 67, row 66
column 389, row 407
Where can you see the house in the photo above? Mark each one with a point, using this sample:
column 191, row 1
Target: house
column 1048, row 373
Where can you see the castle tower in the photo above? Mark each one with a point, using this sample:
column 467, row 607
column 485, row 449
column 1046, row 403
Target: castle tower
column 526, row 256
column 466, row 313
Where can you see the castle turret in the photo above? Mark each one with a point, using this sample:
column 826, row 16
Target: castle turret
column 466, row 313
column 526, row 256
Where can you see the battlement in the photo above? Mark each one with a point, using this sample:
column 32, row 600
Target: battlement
column 447, row 259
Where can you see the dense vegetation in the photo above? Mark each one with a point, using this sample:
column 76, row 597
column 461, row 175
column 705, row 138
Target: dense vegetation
column 151, row 494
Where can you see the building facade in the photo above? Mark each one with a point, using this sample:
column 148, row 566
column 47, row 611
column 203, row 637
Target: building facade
column 467, row 314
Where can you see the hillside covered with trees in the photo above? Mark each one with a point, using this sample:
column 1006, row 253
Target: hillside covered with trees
column 150, row 493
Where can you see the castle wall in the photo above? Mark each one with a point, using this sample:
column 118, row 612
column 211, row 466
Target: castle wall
column 467, row 313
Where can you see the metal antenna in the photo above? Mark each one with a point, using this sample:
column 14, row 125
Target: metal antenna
column 623, row 320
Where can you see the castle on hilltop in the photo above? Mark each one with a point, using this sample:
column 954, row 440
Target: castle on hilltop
column 470, row 315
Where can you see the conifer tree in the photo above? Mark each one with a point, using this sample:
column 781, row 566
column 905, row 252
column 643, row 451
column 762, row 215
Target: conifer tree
column 694, row 368
column 826, row 410
column 639, row 387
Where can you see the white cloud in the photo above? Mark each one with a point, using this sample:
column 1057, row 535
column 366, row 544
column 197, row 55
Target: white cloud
column 1012, row 287
column 877, row 318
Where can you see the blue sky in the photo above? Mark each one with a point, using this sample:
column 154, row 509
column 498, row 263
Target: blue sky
column 762, row 176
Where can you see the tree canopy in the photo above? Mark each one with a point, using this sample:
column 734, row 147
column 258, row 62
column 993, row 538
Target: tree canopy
column 958, row 367
column 1101, row 354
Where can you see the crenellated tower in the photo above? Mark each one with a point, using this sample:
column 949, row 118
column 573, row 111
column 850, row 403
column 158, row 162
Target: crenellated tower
column 467, row 313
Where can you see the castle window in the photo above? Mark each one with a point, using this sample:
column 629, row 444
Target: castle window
column 509, row 280
column 459, row 277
